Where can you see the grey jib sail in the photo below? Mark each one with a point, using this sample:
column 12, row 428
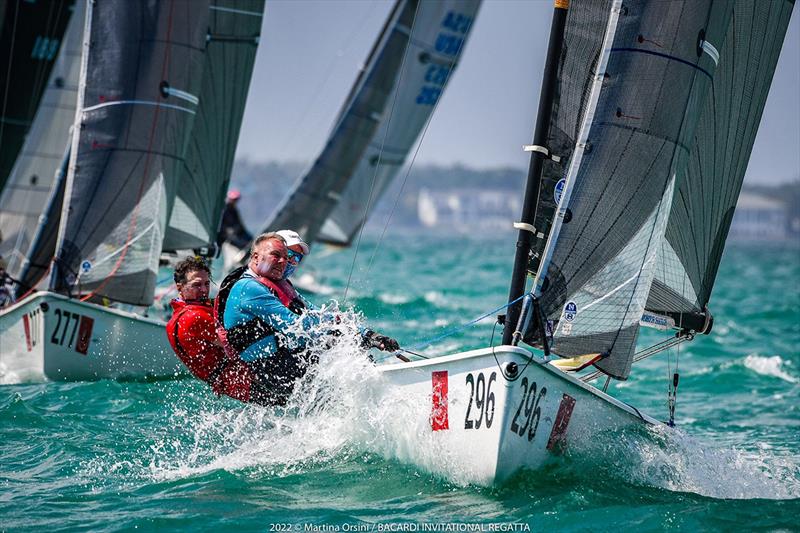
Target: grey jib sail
column 632, row 82
column 31, row 37
column 439, row 35
column 141, row 74
column 234, row 31
column 28, row 189
column 424, row 39
column 705, row 198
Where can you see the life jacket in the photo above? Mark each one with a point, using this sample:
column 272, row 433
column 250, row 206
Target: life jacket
column 203, row 358
column 240, row 337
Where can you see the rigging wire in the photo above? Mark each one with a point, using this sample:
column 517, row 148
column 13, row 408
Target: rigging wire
column 322, row 87
column 380, row 153
column 411, row 165
column 459, row 329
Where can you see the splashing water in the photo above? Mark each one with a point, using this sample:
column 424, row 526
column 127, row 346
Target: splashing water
column 770, row 366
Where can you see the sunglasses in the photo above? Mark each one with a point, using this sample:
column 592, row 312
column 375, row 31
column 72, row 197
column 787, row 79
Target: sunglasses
column 294, row 257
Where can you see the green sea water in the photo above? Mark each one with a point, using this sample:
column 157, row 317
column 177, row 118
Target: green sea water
column 109, row 456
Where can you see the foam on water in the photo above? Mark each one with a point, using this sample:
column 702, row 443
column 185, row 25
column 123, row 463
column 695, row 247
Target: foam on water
column 770, row 366
column 671, row 459
column 344, row 409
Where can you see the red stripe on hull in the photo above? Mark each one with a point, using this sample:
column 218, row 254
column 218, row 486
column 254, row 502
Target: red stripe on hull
column 439, row 416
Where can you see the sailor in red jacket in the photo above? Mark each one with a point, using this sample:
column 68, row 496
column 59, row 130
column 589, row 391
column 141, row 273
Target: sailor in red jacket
column 191, row 332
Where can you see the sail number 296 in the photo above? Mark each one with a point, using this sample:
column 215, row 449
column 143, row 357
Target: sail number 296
column 482, row 397
column 526, row 419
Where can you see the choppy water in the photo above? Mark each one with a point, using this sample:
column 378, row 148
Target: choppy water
column 123, row 455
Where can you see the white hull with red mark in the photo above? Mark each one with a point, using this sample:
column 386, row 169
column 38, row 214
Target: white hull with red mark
column 48, row 335
column 472, row 417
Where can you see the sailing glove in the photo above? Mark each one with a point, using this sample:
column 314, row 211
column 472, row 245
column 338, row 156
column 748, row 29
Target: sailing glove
column 381, row 342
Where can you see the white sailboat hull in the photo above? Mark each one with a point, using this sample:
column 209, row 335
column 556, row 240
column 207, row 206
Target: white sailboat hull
column 49, row 335
column 460, row 417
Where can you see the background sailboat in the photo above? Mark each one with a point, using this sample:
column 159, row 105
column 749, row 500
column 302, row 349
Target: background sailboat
column 138, row 142
column 384, row 115
column 28, row 191
column 32, row 34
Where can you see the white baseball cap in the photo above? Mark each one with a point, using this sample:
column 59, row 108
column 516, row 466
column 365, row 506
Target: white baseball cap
column 292, row 238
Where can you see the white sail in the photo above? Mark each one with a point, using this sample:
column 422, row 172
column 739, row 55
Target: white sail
column 440, row 33
column 385, row 113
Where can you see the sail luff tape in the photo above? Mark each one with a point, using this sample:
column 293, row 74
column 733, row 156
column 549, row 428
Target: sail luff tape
column 541, row 150
column 561, row 4
column 711, row 50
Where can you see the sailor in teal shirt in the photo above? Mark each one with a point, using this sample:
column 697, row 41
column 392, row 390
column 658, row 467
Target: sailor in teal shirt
column 250, row 300
column 264, row 320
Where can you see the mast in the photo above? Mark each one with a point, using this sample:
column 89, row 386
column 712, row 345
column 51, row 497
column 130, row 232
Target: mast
column 538, row 153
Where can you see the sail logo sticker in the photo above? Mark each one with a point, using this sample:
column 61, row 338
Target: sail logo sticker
column 570, row 311
column 558, row 192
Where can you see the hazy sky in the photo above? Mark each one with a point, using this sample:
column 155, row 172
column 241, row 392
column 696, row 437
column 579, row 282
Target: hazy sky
column 311, row 51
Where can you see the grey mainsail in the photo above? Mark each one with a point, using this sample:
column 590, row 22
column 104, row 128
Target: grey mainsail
column 140, row 77
column 389, row 104
column 234, row 31
column 29, row 43
column 632, row 83
column 706, row 197
column 439, row 35
column 28, row 189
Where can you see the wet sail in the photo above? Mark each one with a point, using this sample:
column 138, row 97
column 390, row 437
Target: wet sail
column 140, row 79
column 29, row 43
column 632, row 83
column 28, row 189
column 705, row 198
column 388, row 98
column 234, row 32
column 439, row 35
